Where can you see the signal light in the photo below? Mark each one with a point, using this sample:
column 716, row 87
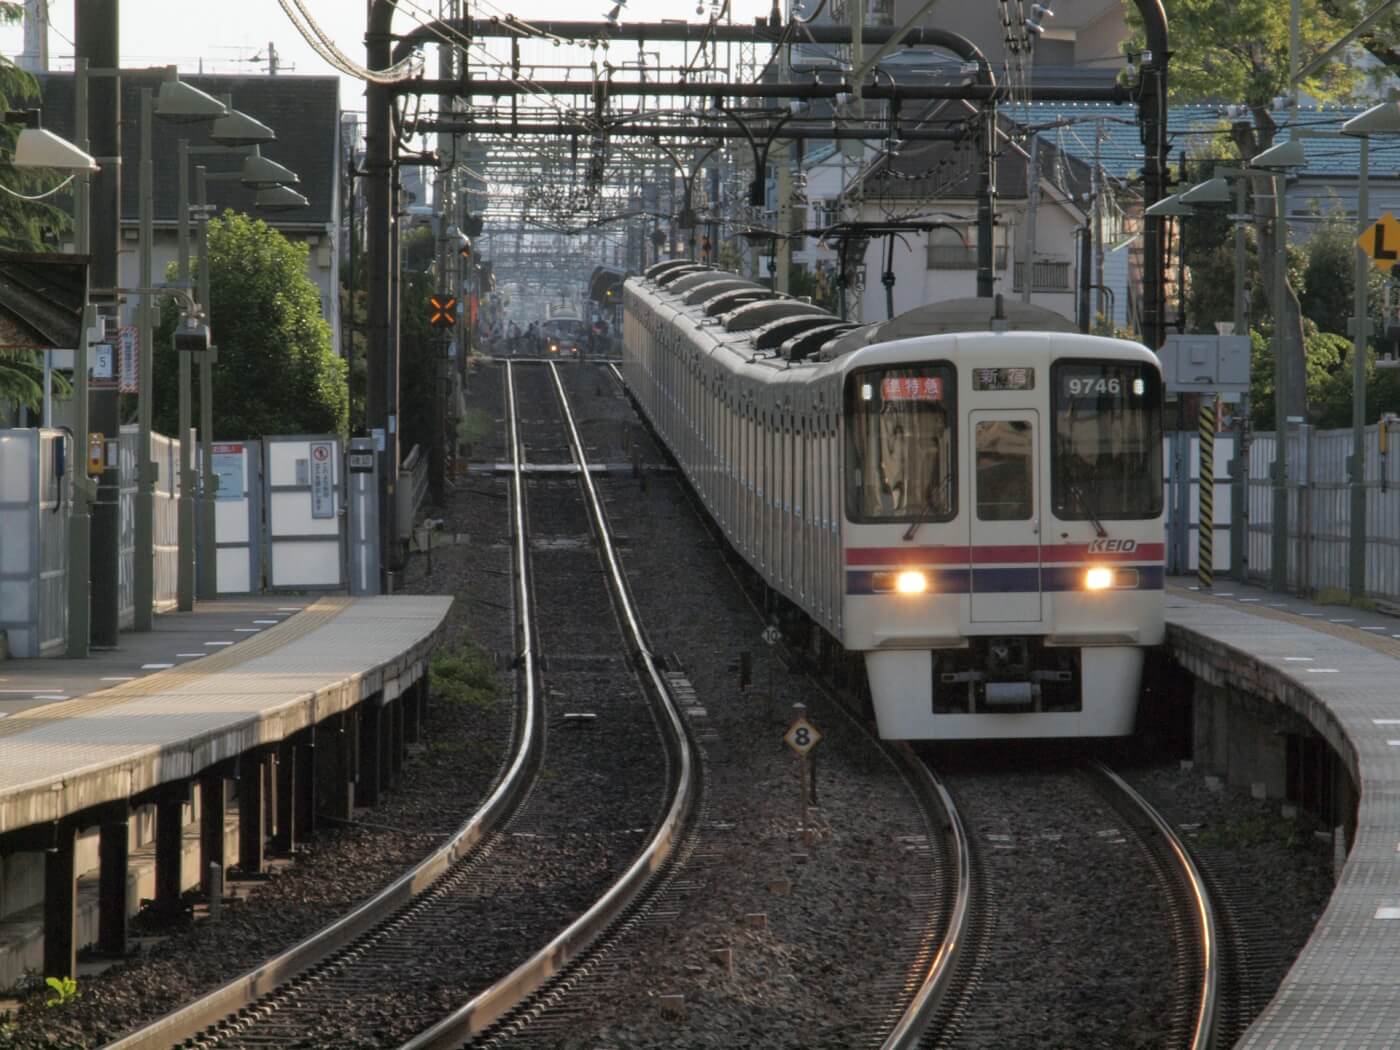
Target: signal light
column 442, row 311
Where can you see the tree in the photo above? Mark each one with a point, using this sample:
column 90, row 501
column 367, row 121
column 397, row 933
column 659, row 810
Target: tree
column 276, row 372
column 1327, row 294
column 22, row 221
column 1237, row 51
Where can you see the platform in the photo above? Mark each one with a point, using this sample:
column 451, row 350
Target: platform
column 63, row 757
column 1337, row 669
column 175, row 639
column 307, row 716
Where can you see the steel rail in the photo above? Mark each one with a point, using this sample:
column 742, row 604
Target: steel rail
column 912, row 1025
column 246, row 989
column 492, row 1004
column 1203, row 1034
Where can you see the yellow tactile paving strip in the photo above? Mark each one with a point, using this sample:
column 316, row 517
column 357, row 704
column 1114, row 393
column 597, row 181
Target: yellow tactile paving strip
column 178, row 679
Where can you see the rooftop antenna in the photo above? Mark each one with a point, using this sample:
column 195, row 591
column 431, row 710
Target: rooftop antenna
column 274, row 61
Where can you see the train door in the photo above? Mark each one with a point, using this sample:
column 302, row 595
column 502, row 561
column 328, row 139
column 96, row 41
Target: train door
column 1004, row 533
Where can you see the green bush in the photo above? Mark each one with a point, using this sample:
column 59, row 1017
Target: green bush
column 464, row 674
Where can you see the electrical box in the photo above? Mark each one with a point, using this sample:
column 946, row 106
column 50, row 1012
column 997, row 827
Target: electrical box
column 1206, row 364
column 96, row 461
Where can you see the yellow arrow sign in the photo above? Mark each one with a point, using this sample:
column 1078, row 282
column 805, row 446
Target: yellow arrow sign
column 1381, row 242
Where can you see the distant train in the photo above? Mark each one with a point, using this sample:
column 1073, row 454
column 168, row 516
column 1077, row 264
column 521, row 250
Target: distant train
column 970, row 495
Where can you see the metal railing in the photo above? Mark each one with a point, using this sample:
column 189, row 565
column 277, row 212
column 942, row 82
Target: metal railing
column 1047, row 275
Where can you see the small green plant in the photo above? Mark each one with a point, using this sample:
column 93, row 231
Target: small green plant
column 62, row 991
column 463, row 674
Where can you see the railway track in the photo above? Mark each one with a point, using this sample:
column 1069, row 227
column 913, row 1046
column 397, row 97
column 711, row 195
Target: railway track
column 931, row 948
column 452, row 939
column 1099, row 926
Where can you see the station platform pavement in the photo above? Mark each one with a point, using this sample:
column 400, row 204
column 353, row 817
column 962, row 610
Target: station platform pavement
column 285, row 709
column 176, row 639
column 1338, row 669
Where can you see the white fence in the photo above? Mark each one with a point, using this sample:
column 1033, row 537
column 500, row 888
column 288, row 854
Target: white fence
column 166, row 527
column 1319, row 511
column 35, row 493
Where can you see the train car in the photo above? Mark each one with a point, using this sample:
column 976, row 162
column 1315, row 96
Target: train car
column 969, row 495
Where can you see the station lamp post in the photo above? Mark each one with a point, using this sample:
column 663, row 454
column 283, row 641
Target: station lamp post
column 1382, row 119
column 231, row 131
column 1279, row 160
column 37, row 148
column 182, row 102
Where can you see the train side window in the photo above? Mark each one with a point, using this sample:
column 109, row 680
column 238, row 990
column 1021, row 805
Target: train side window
column 1004, row 464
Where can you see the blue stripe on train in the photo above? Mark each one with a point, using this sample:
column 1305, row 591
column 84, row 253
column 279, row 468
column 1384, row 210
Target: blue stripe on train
column 1016, row 580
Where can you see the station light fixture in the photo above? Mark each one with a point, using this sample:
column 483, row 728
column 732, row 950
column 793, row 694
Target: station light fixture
column 1212, row 191
column 238, row 129
column 279, row 198
column 183, row 103
column 260, row 172
column 37, row 148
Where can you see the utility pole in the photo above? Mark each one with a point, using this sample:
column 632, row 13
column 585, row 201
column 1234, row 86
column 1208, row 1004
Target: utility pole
column 96, row 40
column 35, row 57
column 1032, row 206
column 1096, row 177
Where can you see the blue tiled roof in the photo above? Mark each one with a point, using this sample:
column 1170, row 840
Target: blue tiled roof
column 1190, row 128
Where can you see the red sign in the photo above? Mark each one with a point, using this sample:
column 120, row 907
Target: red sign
column 911, row 388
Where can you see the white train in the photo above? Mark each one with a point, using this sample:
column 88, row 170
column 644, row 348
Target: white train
column 973, row 502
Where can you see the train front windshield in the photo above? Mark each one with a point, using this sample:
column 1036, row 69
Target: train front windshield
column 1107, row 451
column 900, row 444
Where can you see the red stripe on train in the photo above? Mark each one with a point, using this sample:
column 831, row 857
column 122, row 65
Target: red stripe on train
column 1000, row 555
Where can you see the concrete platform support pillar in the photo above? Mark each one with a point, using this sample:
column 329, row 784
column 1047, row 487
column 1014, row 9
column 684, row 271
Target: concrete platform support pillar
column 334, row 767
column 369, row 782
column 251, row 833
column 114, row 861
column 170, row 850
column 412, row 703
column 270, row 781
column 284, row 838
column 1210, row 728
column 422, row 691
column 61, row 904
column 304, row 777
column 212, row 814
column 393, row 713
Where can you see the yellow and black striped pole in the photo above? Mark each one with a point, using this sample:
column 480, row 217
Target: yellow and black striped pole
column 1205, row 524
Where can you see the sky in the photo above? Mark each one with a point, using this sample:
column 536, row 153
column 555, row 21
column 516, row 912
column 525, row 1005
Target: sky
column 231, row 36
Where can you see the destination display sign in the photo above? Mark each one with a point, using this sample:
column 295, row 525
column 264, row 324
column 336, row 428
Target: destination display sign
column 1003, row 379
column 911, row 388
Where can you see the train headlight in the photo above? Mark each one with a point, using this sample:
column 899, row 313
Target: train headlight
column 906, row 581
column 1098, row 578
column 911, row 582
